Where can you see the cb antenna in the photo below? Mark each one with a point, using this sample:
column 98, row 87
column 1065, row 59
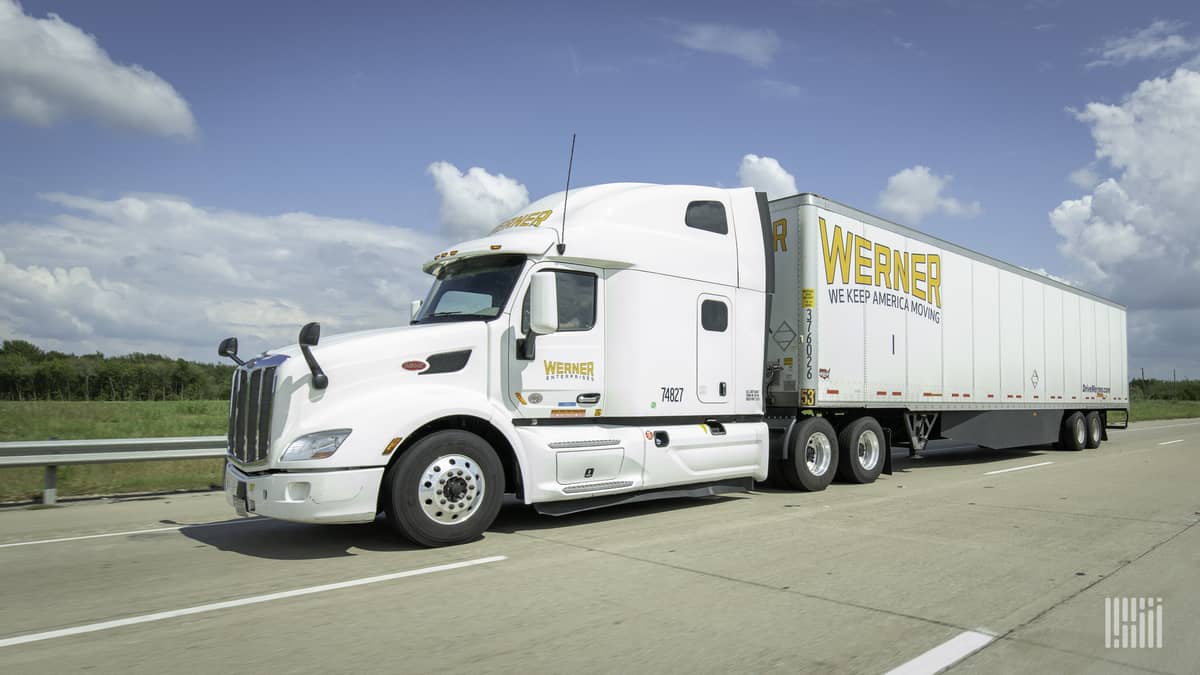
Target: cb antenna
column 562, row 243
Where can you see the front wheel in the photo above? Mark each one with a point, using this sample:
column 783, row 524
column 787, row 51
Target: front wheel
column 813, row 458
column 446, row 489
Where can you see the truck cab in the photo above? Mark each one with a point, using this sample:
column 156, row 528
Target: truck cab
column 597, row 348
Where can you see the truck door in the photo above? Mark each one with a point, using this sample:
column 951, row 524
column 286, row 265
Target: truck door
column 714, row 349
column 565, row 376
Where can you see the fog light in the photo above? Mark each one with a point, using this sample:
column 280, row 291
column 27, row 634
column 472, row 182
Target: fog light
column 298, row 492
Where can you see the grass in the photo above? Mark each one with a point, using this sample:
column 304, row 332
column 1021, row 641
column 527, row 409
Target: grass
column 1145, row 410
column 67, row 420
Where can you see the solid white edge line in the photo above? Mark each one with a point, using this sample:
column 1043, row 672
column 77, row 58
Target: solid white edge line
column 119, row 534
column 241, row 602
column 945, row 655
column 1018, row 468
column 1161, row 426
column 1178, row 440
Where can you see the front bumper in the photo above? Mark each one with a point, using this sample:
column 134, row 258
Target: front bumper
column 347, row 496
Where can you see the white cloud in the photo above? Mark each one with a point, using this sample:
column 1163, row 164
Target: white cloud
column 766, row 175
column 1085, row 177
column 1042, row 271
column 916, row 192
column 159, row 274
column 756, row 46
column 475, row 202
column 1136, row 236
column 51, row 70
column 1159, row 40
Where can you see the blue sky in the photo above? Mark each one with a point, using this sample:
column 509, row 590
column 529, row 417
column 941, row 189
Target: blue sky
column 339, row 112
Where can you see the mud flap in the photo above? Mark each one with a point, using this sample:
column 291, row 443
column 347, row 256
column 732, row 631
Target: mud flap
column 887, row 451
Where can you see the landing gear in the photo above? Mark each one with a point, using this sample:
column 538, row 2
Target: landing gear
column 920, row 428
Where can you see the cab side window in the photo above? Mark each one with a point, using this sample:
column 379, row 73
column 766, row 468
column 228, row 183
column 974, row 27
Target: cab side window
column 576, row 302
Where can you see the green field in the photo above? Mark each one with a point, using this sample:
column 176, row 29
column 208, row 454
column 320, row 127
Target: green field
column 44, row 420
column 1164, row 410
column 65, row 420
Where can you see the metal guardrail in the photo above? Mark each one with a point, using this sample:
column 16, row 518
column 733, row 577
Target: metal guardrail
column 52, row 454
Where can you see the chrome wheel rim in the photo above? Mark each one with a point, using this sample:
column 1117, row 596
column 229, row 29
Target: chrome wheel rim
column 868, row 449
column 451, row 489
column 1080, row 432
column 1095, row 422
column 818, row 453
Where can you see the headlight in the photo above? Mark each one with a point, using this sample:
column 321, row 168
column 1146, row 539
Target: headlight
column 317, row 445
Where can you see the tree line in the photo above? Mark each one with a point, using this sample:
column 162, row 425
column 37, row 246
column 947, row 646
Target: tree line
column 28, row 372
column 1164, row 390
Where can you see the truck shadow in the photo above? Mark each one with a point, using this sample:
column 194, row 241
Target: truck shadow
column 515, row 517
column 281, row 540
column 961, row 455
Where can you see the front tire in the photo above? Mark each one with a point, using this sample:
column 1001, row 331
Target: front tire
column 1095, row 430
column 1073, row 436
column 813, row 458
column 446, row 489
column 862, row 444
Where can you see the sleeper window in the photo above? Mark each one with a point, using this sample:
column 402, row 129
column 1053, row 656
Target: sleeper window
column 707, row 216
column 714, row 316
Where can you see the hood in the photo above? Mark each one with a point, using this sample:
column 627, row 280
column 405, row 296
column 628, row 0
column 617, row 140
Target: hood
column 373, row 354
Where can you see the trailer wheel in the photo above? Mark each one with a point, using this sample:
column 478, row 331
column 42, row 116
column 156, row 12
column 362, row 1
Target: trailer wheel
column 1074, row 432
column 1095, row 430
column 813, row 459
column 862, row 444
column 445, row 489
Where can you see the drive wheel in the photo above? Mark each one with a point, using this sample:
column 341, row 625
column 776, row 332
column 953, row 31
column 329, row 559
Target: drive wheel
column 1074, row 432
column 862, row 444
column 813, row 458
column 1095, row 429
column 445, row 489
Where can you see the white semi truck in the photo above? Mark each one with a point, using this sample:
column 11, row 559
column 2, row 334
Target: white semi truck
column 657, row 341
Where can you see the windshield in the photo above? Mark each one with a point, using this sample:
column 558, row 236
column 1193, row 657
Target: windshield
column 476, row 288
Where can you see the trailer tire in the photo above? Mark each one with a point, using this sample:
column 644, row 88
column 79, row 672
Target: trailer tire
column 812, row 460
column 1073, row 436
column 1095, row 430
column 446, row 489
column 862, row 446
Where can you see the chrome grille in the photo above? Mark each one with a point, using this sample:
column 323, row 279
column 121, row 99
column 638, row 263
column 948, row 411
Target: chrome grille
column 250, row 407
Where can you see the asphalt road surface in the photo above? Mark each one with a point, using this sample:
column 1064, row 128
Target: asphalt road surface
column 992, row 561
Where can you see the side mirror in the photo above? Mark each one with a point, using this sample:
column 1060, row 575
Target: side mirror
column 310, row 334
column 228, row 349
column 543, row 304
column 416, row 309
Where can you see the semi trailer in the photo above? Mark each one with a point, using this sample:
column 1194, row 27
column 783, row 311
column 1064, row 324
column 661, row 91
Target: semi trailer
column 666, row 341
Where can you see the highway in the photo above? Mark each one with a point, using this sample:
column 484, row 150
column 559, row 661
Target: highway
column 1012, row 553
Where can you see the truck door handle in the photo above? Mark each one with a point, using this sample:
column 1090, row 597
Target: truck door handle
column 587, row 399
column 722, row 389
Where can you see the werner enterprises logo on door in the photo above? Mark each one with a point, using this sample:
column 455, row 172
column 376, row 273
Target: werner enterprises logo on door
column 910, row 282
column 570, row 370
